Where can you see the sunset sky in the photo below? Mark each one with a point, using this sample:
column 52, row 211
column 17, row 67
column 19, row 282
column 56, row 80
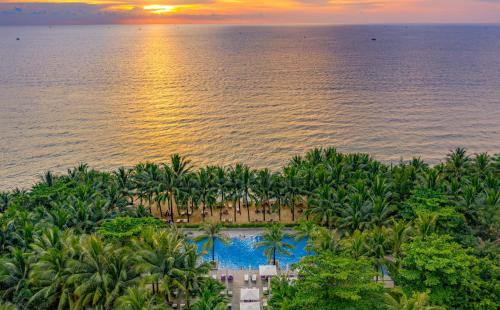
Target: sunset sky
column 248, row 11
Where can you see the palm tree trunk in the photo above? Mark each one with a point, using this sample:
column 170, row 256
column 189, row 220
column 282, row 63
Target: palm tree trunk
column 203, row 211
column 187, row 208
column 235, row 212
column 213, row 250
column 279, row 209
column 274, row 255
column 264, row 212
column 293, row 209
column 248, row 207
column 159, row 207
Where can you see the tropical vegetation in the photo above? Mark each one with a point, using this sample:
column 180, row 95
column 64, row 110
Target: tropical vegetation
column 90, row 240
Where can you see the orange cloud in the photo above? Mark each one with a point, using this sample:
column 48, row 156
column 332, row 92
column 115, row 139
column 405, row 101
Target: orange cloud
column 248, row 11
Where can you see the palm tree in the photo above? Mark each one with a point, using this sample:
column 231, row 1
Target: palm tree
column 190, row 188
column 457, row 161
column 193, row 272
column 305, row 230
column 222, row 184
column 356, row 244
column 123, row 181
column 322, row 205
column 161, row 253
column 425, row 224
column 247, row 179
column 14, row 271
column 235, row 187
column 206, row 190
column 48, row 178
column 139, row 299
column 210, row 234
column 51, row 271
column 272, row 241
column 283, row 293
column 279, row 192
column 325, row 239
column 380, row 212
column 101, row 274
column 263, row 187
column 179, row 165
column 210, row 297
column 398, row 300
column 378, row 246
column 398, row 234
column 169, row 185
column 490, row 214
column 355, row 216
column 5, row 198
column 293, row 187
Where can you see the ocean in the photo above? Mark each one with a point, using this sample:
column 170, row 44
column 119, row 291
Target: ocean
column 114, row 96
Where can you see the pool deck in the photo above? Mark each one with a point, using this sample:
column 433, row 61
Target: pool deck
column 239, row 282
column 234, row 232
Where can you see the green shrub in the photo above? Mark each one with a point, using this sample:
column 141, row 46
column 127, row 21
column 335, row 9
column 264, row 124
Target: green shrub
column 126, row 227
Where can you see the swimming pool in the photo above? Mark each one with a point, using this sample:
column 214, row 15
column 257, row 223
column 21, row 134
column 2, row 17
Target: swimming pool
column 240, row 253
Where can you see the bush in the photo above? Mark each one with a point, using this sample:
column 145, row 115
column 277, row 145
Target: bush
column 126, row 227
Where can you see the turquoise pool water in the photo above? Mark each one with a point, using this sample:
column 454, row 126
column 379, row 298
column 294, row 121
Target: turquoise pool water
column 241, row 253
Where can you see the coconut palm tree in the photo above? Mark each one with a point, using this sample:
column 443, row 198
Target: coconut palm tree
column 457, row 162
column 222, row 187
column 293, row 185
column 210, row 297
column 273, row 243
column 48, row 178
column 161, row 253
column 379, row 212
column 322, row 205
column 50, row 272
column 247, row 179
column 356, row 244
column 235, row 188
column 425, row 224
column 279, row 192
column 398, row 300
column 5, row 198
column 210, row 233
column 123, row 181
column 325, row 240
column 193, row 272
column 378, row 246
column 101, row 274
column 136, row 298
column 355, row 215
column 14, row 272
column 399, row 233
column 262, row 187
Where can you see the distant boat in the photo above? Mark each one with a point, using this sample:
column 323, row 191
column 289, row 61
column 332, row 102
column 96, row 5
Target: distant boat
column 17, row 39
column 374, row 39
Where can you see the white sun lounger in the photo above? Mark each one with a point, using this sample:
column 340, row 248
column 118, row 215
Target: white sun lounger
column 254, row 278
column 245, row 277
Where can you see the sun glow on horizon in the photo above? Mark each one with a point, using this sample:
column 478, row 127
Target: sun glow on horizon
column 161, row 9
column 248, row 11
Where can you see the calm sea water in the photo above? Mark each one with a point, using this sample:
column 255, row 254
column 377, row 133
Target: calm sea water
column 117, row 95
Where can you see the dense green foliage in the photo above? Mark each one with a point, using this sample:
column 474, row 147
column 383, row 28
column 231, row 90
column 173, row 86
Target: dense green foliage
column 87, row 239
column 331, row 282
column 125, row 227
